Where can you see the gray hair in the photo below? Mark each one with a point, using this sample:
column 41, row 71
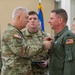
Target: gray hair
column 18, row 10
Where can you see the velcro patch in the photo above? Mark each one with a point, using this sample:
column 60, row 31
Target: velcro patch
column 69, row 41
column 17, row 36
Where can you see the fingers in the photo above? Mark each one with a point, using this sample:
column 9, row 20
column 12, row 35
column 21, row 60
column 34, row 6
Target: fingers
column 47, row 44
column 48, row 38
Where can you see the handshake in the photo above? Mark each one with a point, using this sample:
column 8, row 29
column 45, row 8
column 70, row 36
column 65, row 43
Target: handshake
column 47, row 43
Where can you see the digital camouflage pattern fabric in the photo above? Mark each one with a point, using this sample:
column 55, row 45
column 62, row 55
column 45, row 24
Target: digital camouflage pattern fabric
column 35, row 40
column 13, row 53
column 16, row 54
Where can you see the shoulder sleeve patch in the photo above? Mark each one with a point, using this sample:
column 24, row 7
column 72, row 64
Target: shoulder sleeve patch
column 69, row 41
column 17, row 36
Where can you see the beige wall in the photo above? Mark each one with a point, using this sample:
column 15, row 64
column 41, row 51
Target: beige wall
column 7, row 6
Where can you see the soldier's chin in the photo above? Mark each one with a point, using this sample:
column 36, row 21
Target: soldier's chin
column 52, row 27
column 25, row 25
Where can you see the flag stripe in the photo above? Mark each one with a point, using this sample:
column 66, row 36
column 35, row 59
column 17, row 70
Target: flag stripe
column 69, row 41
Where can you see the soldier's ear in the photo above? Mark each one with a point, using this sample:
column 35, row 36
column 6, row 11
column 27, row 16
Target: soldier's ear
column 60, row 20
column 18, row 17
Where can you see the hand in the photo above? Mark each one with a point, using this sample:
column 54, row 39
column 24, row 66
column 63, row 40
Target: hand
column 48, row 38
column 47, row 44
column 44, row 64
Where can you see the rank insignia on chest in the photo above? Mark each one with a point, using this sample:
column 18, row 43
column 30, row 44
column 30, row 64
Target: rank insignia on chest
column 17, row 36
column 69, row 41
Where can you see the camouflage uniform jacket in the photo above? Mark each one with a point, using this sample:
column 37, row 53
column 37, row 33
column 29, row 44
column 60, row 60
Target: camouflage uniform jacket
column 35, row 40
column 15, row 52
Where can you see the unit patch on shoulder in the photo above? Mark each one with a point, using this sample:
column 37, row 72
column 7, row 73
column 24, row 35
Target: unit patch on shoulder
column 17, row 36
column 69, row 41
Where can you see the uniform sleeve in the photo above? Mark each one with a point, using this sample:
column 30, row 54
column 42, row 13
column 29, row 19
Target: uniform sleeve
column 69, row 48
column 69, row 64
column 33, row 50
column 14, row 43
column 19, row 47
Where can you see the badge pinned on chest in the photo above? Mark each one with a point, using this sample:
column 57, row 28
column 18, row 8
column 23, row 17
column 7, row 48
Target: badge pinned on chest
column 55, row 42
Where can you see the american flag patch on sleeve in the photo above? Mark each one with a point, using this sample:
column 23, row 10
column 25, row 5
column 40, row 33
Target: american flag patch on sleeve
column 69, row 41
column 17, row 36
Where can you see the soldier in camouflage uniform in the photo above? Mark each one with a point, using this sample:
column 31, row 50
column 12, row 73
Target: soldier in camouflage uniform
column 13, row 46
column 34, row 37
column 15, row 52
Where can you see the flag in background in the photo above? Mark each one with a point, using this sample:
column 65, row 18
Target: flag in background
column 40, row 16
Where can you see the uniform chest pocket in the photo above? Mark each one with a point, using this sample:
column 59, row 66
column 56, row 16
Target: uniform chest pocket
column 58, row 64
column 58, row 43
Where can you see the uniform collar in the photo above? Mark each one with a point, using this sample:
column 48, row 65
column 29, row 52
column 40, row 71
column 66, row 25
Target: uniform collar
column 9, row 24
column 63, row 30
column 38, row 33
